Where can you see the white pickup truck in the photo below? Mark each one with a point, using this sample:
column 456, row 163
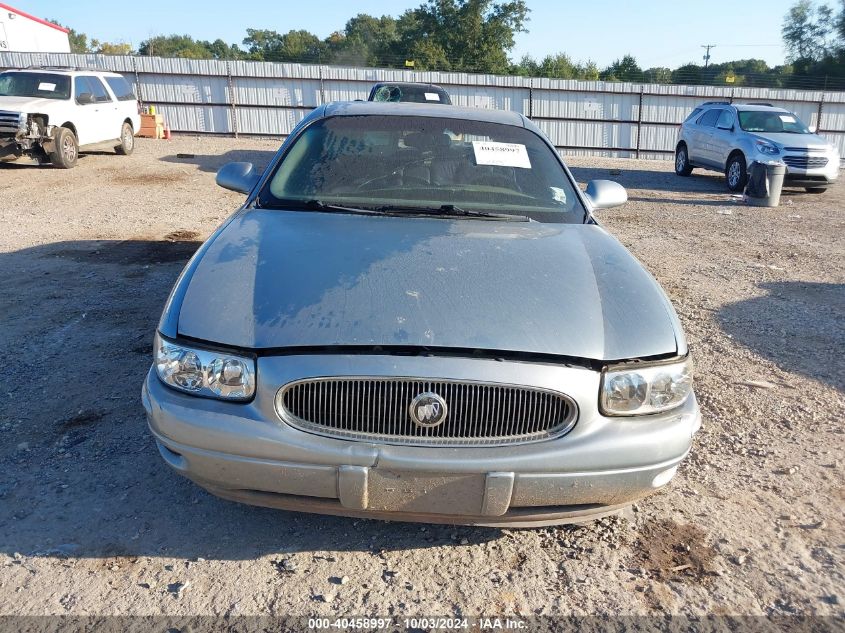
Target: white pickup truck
column 49, row 113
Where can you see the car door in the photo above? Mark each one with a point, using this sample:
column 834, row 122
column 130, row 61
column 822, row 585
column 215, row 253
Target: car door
column 96, row 121
column 723, row 137
column 703, row 139
column 126, row 105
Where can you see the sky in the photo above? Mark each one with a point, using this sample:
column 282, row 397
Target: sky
column 657, row 32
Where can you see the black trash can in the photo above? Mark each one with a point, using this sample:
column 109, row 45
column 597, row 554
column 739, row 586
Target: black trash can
column 765, row 181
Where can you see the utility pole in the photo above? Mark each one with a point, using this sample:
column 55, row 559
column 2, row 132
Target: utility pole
column 707, row 54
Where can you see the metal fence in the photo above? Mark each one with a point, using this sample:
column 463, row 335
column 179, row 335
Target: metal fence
column 581, row 117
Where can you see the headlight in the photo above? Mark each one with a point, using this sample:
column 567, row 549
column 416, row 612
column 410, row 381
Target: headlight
column 203, row 372
column 648, row 388
column 767, row 148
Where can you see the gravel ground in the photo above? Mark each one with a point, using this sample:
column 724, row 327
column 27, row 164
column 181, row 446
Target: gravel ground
column 92, row 522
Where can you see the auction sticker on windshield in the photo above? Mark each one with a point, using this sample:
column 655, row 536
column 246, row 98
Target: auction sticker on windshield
column 501, row 154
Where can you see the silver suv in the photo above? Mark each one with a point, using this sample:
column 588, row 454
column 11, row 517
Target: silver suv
column 729, row 137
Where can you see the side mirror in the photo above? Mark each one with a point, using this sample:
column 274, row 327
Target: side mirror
column 240, row 177
column 84, row 98
column 604, row 194
column 725, row 127
column 812, row 129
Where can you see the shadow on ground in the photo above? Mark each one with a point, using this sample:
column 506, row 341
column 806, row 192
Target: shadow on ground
column 213, row 162
column 81, row 475
column 798, row 325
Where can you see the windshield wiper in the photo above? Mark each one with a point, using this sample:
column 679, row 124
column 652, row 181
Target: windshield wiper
column 452, row 210
column 319, row 205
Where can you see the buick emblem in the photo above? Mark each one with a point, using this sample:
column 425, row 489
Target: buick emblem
column 428, row 410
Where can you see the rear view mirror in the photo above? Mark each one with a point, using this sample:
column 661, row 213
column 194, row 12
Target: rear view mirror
column 604, row 194
column 240, row 177
column 812, row 129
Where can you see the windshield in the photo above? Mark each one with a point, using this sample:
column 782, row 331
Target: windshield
column 411, row 94
column 759, row 121
column 424, row 163
column 44, row 85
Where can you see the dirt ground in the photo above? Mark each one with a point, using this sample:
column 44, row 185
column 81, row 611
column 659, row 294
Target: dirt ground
column 93, row 522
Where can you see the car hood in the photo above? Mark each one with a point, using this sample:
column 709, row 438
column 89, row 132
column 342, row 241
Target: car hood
column 803, row 141
column 27, row 104
column 287, row 279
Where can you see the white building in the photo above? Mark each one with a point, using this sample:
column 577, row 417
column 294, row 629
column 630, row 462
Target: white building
column 24, row 33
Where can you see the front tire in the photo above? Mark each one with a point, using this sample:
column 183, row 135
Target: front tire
column 815, row 189
column 127, row 140
column 735, row 173
column 66, row 149
column 682, row 165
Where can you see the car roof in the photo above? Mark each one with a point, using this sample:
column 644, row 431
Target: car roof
column 364, row 108
column 757, row 107
column 744, row 107
column 407, row 83
column 65, row 71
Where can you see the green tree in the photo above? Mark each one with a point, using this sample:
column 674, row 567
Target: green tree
column 174, row 46
column 221, row 50
column 625, row 69
column 688, row 74
column 109, row 48
column 467, row 35
column 558, row 66
column 293, row 46
column 658, row 75
column 366, row 40
column 806, row 30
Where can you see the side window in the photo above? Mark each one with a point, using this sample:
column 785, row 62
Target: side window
column 98, row 89
column 709, row 117
column 693, row 114
column 121, row 88
column 725, row 119
column 81, row 87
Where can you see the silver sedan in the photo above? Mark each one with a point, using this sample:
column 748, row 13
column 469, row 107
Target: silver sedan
column 415, row 316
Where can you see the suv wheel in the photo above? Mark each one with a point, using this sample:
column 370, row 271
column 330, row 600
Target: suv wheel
column 735, row 173
column 682, row 166
column 66, row 150
column 127, row 140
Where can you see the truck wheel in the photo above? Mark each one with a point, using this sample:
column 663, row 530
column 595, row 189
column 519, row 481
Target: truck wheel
column 66, row 151
column 127, row 140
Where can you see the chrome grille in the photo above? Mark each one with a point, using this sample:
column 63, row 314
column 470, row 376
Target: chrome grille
column 377, row 409
column 10, row 122
column 803, row 150
column 805, row 162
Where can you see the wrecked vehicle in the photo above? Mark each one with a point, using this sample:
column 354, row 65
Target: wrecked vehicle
column 416, row 316
column 49, row 113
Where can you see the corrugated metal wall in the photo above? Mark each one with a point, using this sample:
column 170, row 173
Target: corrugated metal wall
column 581, row 117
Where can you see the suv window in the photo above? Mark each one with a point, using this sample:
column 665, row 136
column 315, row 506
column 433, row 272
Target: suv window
column 725, row 119
column 92, row 85
column 708, row 119
column 121, row 88
column 693, row 114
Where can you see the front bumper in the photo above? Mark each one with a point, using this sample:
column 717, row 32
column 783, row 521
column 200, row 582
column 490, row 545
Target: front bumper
column 243, row 452
column 808, row 176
